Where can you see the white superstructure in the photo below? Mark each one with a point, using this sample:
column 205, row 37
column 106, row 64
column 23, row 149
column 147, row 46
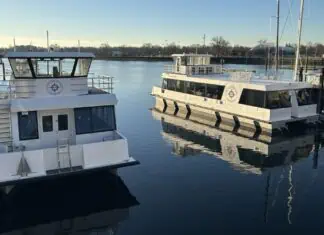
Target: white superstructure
column 193, row 87
column 54, row 119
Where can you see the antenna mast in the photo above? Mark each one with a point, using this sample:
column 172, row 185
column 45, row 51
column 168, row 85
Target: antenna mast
column 14, row 42
column 204, row 38
column 48, row 49
column 300, row 29
column 277, row 41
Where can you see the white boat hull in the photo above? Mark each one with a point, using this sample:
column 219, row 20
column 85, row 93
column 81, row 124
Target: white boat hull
column 42, row 163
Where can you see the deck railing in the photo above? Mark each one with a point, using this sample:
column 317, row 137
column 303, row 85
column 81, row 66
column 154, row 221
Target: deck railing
column 101, row 82
column 194, row 69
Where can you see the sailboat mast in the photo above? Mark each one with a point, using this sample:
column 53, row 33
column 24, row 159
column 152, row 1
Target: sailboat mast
column 300, row 28
column 277, row 41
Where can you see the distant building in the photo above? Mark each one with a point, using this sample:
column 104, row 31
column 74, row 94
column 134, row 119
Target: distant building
column 117, row 53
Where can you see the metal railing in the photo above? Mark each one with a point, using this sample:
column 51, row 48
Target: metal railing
column 205, row 69
column 101, row 82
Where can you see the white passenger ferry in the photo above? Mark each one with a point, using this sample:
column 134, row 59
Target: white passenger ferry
column 192, row 87
column 54, row 120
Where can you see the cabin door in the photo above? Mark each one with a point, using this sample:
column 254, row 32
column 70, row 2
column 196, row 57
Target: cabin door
column 55, row 128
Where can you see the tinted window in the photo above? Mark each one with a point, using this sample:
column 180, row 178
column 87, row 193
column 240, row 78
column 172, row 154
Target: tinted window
column 180, row 86
column 28, row 126
column 306, row 97
column 165, row 84
column 200, row 89
column 278, row 100
column 190, row 87
column 82, row 120
column 253, row 98
column 47, row 123
column 63, row 122
column 103, row 118
column 171, row 84
column 214, row 91
column 94, row 119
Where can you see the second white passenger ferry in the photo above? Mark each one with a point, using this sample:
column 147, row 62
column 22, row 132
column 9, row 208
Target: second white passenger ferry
column 193, row 87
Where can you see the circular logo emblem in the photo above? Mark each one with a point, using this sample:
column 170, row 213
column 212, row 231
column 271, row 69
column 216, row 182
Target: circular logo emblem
column 231, row 94
column 54, row 87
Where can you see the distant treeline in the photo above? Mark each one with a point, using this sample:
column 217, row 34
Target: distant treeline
column 218, row 47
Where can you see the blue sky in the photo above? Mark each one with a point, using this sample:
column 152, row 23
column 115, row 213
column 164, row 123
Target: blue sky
column 134, row 22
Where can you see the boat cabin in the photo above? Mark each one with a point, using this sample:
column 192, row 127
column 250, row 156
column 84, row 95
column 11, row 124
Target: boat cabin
column 51, row 100
column 55, row 120
column 193, row 64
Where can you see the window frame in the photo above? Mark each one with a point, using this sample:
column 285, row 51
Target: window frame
column 89, row 110
column 33, row 72
column 19, row 114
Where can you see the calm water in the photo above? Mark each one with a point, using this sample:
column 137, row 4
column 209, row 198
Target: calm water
column 192, row 179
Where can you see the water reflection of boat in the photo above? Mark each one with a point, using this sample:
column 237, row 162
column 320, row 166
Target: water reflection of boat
column 93, row 203
column 244, row 154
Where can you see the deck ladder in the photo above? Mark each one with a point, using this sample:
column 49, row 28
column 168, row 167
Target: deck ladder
column 63, row 152
column 5, row 124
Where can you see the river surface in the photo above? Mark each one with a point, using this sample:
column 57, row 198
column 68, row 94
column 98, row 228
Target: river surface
column 192, row 179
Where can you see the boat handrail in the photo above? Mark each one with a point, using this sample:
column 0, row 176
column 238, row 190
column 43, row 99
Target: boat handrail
column 203, row 69
column 101, row 82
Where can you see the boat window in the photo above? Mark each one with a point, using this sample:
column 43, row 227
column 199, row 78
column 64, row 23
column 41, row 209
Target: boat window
column 82, row 68
column 165, row 84
column 190, row 88
column 47, row 123
column 184, row 60
column 200, row 89
column 209, row 69
column 171, row 84
column 306, row 97
column 201, row 70
column 193, row 70
column 67, row 67
column 103, row 118
column 253, row 98
column 180, row 86
column 278, row 100
column 94, row 119
column 63, row 122
column 53, row 67
column 46, row 68
column 21, row 68
column 28, row 126
column 214, row 91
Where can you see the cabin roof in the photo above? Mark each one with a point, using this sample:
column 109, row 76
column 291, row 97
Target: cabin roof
column 255, row 83
column 32, row 54
column 191, row 55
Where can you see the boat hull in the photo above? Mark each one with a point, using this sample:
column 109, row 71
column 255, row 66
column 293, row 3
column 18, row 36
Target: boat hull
column 187, row 108
column 18, row 167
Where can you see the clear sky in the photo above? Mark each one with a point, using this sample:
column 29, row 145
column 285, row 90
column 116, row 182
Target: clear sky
column 134, row 22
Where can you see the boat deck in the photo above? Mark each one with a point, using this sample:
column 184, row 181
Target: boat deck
column 246, row 78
